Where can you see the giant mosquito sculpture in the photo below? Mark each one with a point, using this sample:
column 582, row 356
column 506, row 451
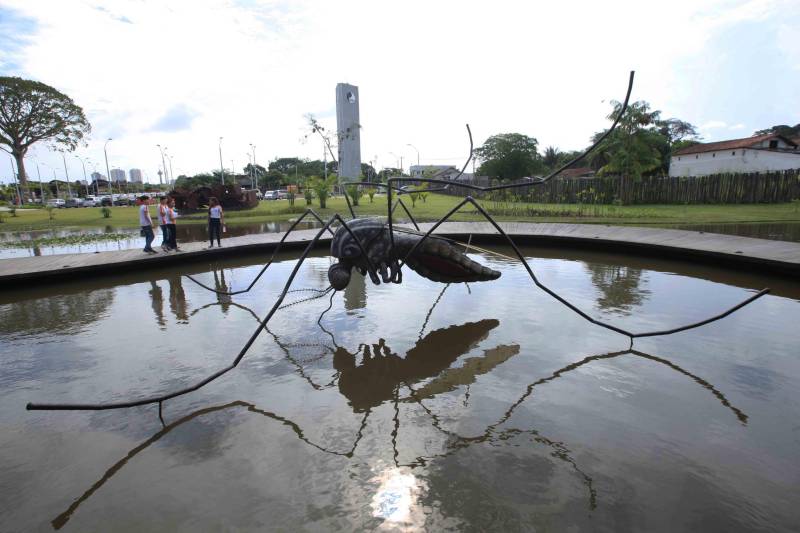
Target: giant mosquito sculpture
column 381, row 248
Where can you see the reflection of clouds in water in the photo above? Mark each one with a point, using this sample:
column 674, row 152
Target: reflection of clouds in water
column 397, row 499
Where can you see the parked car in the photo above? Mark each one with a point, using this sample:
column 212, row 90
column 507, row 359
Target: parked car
column 56, row 202
column 106, row 201
column 90, row 201
column 73, row 202
column 122, row 200
column 282, row 195
column 271, row 195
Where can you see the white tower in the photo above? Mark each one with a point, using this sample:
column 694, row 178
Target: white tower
column 348, row 132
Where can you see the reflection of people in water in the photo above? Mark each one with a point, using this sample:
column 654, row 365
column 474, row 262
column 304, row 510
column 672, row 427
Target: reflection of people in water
column 157, row 297
column 375, row 379
column 220, row 284
column 177, row 299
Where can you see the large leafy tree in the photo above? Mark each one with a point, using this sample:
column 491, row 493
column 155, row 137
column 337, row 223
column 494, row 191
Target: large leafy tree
column 31, row 112
column 781, row 129
column 635, row 147
column 509, row 156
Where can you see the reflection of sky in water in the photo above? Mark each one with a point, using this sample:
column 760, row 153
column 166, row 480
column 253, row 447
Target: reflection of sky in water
column 498, row 428
column 396, row 499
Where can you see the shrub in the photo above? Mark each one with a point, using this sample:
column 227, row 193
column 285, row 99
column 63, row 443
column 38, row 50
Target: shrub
column 106, row 211
column 308, row 194
column 13, row 210
column 51, row 212
column 354, row 192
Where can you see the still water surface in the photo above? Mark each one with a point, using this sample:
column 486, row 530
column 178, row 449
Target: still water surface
column 495, row 409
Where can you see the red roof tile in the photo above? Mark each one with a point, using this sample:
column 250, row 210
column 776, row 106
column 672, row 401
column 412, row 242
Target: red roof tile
column 733, row 144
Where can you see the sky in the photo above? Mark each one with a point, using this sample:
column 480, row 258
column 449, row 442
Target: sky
column 182, row 74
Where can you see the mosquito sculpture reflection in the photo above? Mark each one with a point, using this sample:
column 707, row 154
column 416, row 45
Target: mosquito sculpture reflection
column 388, row 375
column 382, row 249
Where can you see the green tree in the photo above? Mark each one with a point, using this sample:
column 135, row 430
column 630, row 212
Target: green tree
column 354, row 192
column 322, row 187
column 551, row 157
column 509, row 156
column 781, row 129
column 30, row 112
column 635, row 147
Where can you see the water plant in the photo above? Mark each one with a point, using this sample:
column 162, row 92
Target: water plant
column 68, row 240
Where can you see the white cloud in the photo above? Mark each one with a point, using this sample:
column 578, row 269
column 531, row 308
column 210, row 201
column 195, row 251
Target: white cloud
column 713, row 124
column 250, row 71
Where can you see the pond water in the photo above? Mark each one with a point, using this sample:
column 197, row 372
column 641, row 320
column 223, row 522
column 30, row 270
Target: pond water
column 420, row 406
column 23, row 244
column 777, row 231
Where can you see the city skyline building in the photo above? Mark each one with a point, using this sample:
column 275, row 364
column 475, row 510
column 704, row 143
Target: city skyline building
column 117, row 174
column 135, row 175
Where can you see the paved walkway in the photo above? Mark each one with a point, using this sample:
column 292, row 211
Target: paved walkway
column 727, row 250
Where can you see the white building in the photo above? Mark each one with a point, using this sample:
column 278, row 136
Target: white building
column 762, row 153
column 135, row 175
column 117, row 174
column 419, row 171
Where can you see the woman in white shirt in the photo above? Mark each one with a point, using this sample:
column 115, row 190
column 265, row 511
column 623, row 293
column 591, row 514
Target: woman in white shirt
column 216, row 220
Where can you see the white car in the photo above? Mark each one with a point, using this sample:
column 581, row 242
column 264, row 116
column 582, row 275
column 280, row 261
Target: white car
column 56, row 202
column 90, row 201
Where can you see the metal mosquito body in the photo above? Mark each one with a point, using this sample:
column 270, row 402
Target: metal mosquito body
column 436, row 259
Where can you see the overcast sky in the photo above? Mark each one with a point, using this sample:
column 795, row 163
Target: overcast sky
column 182, row 74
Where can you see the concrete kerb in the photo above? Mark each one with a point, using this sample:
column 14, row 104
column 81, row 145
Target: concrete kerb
column 773, row 257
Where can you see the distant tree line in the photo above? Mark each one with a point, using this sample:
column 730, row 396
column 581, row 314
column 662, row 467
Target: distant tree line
column 642, row 144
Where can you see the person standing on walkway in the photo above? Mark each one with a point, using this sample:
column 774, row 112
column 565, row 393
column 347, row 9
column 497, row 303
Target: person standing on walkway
column 216, row 221
column 146, row 223
column 163, row 221
column 172, row 218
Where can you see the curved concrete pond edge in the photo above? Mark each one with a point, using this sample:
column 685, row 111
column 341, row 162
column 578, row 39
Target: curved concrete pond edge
column 728, row 251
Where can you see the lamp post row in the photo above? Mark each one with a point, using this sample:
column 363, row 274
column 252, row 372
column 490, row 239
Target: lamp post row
column 167, row 170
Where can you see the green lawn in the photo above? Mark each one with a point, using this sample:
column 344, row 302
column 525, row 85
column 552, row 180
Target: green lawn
column 436, row 206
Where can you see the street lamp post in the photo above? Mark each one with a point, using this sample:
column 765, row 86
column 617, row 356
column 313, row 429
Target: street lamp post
column 85, row 180
column 41, row 188
column 254, row 182
column 55, row 179
column 163, row 164
column 415, row 149
column 400, row 159
column 250, row 162
column 108, row 172
column 221, row 170
column 66, row 173
column 171, row 175
column 16, row 182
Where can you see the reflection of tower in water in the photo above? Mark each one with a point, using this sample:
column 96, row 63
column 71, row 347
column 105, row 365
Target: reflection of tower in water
column 355, row 294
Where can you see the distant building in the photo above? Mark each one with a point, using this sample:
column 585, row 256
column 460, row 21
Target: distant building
column 577, row 172
column 117, row 174
column 761, row 153
column 96, row 176
column 135, row 175
column 419, row 171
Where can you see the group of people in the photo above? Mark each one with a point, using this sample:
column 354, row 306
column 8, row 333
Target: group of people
column 167, row 219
